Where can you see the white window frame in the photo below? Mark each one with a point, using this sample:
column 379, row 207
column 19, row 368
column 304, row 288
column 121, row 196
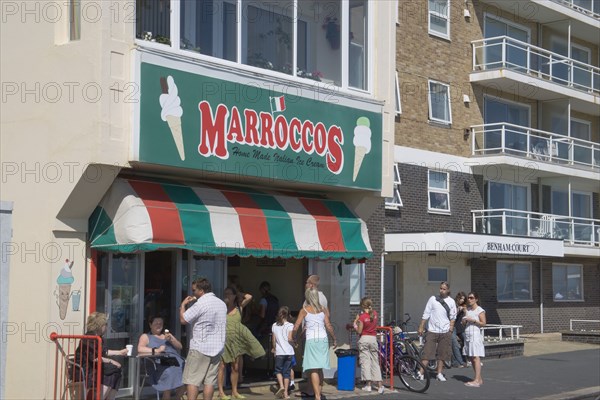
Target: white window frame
column 437, row 281
column 398, row 105
column 513, row 300
column 390, row 202
column 438, row 14
column 438, row 190
column 582, row 122
column 357, row 282
column 344, row 87
column 429, row 102
column 555, row 266
column 505, row 21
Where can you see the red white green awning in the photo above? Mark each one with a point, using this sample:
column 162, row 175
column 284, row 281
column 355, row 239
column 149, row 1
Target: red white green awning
column 141, row 215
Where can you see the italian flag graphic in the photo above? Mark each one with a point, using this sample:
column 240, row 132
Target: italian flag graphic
column 277, row 104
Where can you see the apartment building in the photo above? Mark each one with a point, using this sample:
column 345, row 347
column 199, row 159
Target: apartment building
column 150, row 142
column 497, row 160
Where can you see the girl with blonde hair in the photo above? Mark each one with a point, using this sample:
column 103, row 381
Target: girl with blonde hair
column 316, row 349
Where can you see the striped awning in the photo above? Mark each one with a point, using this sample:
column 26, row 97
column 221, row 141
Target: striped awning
column 141, row 215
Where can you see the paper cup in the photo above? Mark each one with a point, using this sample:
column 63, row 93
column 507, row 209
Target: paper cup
column 129, row 348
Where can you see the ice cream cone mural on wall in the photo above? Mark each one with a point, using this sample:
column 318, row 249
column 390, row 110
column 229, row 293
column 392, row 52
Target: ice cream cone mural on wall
column 362, row 143
column 63, row 294
column 172, row 111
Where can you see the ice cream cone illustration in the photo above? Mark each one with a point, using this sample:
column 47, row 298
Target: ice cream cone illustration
column 172, row 112
column 362, row 143
column 65, row 280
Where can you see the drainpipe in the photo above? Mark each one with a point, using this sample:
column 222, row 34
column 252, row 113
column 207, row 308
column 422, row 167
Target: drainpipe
column 541, row 299
column 382, row 270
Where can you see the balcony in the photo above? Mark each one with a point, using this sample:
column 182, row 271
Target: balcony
column 582, row 16
column 535, row 144
column 520, row 68
column 502, row 221
column 586, row 7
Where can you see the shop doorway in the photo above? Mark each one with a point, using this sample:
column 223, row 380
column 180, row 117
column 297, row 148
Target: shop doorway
column 160, row 277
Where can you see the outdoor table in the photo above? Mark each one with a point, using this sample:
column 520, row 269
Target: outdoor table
column 137, row 358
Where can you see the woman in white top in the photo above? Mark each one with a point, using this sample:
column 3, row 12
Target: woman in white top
column 316, row 349
column 473, row 320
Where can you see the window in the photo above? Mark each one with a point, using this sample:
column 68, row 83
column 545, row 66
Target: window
column 513, row 139
column 582, row 229
column 437, row 274
column 567, row 282
column 582, row 152
column 513, row 203
column 357, row 56
column 308, row 39
column 438, row 192
column 74, row 20
column 396, row 200
column 513, row 281
column 439, row 103
column 357, row 282
column 439, row 18
column 398, row 104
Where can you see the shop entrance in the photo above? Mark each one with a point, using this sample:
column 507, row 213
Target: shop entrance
column 159, row 286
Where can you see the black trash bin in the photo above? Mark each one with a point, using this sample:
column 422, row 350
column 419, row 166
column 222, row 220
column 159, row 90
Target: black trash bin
column 346, row 367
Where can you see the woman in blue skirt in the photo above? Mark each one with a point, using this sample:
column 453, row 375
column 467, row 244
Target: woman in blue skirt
column 316, row 348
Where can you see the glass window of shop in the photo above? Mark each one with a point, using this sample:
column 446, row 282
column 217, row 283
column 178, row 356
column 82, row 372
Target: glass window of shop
column 133, row 287
column 324, row 41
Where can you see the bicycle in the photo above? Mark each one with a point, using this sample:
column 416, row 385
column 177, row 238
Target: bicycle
column 407, row 365
column 418, row 353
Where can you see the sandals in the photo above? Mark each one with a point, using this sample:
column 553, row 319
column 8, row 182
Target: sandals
column 472, row 384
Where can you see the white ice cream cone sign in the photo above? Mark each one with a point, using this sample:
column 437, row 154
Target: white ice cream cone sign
column 362, row 143
column 171, row 112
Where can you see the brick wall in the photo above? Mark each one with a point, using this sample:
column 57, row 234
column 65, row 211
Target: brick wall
column 527, row 314
column 466, row 194
column 375, row 225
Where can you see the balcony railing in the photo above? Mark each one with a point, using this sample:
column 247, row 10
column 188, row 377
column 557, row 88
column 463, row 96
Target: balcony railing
column 503, row 138
column 522, row 57
column 587, row 7
column 503, row 221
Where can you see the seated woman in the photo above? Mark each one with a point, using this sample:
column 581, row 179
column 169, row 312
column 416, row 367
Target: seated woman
column 87, row 356
column 167, row 377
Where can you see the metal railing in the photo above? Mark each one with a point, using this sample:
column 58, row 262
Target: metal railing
column 504, row 221
column 514, row 331
column 76, row 375
column 522, row 141
column 579, row 6
column 506, row 52
column 586, row 321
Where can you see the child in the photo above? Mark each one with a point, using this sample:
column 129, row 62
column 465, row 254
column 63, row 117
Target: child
column 366, row 326
column 282, row 336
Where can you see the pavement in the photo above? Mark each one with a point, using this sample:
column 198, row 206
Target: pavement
column 550, row 369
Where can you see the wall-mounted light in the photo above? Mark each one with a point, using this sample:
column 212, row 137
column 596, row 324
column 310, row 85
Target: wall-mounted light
column 466, row 99
column 466, row 133
column 467, row 13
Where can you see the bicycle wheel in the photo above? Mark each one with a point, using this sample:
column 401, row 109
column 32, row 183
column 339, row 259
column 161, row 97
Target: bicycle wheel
column 408, row 369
